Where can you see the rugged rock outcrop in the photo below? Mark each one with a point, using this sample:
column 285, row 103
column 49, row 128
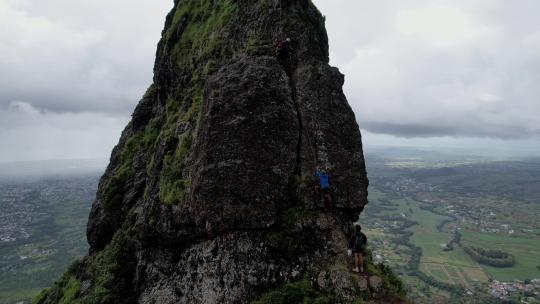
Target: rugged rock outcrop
column 209, row 196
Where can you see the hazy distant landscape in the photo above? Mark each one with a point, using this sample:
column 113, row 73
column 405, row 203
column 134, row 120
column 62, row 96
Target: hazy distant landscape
column 43, row 214
column 425, row 208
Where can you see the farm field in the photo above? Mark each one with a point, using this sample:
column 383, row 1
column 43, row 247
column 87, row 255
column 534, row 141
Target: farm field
column 453, row 267
column 456, row 267
column 57, row 209
column 420, row 216
column 15, row 296
column 526, row 252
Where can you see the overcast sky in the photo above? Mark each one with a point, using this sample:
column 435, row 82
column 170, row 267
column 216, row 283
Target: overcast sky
column 418, row 72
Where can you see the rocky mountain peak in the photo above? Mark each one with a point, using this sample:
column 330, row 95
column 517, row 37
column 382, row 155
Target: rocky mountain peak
column 210, row 195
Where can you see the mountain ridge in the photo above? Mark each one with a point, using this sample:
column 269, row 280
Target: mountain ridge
column 209, row 195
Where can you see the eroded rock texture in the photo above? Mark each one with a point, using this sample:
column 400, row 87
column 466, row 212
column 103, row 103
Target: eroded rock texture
column 209, row 196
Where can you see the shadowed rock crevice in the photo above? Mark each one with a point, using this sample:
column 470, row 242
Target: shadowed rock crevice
column 292, row 85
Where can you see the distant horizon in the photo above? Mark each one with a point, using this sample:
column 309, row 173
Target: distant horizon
column 37, row 169
column 485, row 145
column 486, row 152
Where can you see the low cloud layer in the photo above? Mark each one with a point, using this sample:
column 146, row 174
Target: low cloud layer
column 27, row 133
column 71, row 74
column 78, row 56
column 439, row 68
column 72, row 71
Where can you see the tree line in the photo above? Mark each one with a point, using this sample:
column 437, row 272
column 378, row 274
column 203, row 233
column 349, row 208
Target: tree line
column 495, row 258
column 455, row 240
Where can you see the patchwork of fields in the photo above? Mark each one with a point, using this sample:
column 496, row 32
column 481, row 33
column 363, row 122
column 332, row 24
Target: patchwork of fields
column 525, row 250
column 54, row 213
column 455, row 266
column 417, row 227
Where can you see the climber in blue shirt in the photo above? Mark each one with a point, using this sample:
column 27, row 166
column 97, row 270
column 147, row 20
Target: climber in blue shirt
column 324, row 177
column 324, row 184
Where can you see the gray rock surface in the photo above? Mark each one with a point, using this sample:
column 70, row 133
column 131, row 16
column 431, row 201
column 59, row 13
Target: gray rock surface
column 363, row 284
column 375, row 283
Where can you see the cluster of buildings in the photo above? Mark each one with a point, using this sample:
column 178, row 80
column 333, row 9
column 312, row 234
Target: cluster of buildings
column 381, row 253
column 15, row 214
column 502, row 290
column 25, row 204
column 408, row 185
column 485, row 222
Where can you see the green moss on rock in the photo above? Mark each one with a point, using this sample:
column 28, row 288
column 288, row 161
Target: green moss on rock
column 142, row 142
column 173, row 184
column 201, row 38
column 291, row 238
column 301, row 292
column 391, row 283
column 112, row 271
column 64, row 291
column 194, row 40
column 109, row 274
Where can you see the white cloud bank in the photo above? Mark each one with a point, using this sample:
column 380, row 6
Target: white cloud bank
column 71, row 71
column 30, row 134
column 72, row 55
column 439, row 68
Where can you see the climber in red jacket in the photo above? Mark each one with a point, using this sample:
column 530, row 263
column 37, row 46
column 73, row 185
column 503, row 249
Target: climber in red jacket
column 283, row 50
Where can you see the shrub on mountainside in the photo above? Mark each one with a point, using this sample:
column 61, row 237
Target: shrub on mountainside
column 455, row 240
column 454, row 289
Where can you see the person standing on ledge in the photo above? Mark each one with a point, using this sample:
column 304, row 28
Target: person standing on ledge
column 357, row 247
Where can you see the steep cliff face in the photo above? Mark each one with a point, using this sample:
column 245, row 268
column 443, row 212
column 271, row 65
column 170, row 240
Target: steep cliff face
column 209, row 196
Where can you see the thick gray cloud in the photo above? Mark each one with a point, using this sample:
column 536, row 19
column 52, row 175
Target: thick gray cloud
column 439, row 68
column 27, row 133
column 78, row 56
column 72, row 71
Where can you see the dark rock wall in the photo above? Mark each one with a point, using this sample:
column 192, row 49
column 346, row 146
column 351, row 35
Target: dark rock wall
column 252, row 128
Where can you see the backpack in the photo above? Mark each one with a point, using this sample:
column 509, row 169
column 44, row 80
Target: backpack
column 361, row 241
